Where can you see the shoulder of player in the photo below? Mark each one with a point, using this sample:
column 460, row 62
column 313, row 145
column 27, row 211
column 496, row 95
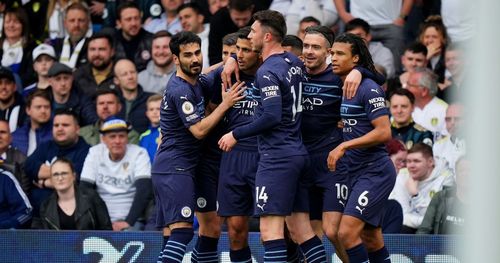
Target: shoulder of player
column 368, row 86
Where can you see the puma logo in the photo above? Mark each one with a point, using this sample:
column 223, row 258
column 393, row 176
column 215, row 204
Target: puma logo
column 261, row 207
column 375, row 90
column 342, row 203
column 266, row 77
column 360, row 209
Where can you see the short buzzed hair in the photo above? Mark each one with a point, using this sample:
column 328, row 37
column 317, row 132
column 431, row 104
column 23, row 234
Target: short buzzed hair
column 422, row 148
column 230, row 39
column 274, row 21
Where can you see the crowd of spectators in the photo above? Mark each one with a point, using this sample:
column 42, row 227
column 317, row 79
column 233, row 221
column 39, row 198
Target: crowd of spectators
column 81, row 84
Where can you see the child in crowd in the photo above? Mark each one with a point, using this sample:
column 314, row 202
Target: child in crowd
column 151, row 137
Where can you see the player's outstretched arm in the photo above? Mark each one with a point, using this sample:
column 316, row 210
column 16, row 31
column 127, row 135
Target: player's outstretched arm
column 380, row 134
column 201, row 129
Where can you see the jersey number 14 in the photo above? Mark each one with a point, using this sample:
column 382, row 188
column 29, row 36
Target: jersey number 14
column 297, row 100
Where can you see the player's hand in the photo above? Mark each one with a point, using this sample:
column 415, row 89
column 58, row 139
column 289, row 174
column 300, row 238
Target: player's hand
column 227, row 142
column 230, row 67
column 351, row 83
column 334, row 156
column 340, row 124
column 120, row 225
column 233, row 95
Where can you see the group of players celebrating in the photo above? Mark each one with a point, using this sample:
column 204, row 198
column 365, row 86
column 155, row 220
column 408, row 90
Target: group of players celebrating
column 276, row 120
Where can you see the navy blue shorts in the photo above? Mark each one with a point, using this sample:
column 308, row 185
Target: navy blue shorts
column 236, row 193
column 370, row 188
column 323, row 190
column 174, row 196
column 276, row 184
column 206, row 180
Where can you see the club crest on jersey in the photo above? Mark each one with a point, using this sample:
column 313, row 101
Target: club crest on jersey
column 125, row 166
column 434, row 121
column 187, row 107
column 186, row 211
column 201, row 202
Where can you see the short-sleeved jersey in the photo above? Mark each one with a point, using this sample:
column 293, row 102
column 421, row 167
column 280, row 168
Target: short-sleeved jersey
column 278, row 82
column 321, row 99
column 357, row 114
column 115, row 181
column 211, row 86
column 182, row 106
column 242, row 113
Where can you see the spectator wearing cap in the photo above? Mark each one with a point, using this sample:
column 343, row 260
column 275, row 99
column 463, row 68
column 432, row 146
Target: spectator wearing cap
column 43, row 58
column 159, row 70
column 65, row 142
column 11, row 102
column 98, row 73
column 11, row 158
column 107, row 104
column 72, row 48
column 131, row 95
column 65, row 94
column 132, row 41
column 39, row 128
column 121, row 174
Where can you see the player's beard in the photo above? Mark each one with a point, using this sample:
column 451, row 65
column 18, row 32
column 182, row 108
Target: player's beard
column 186, row 69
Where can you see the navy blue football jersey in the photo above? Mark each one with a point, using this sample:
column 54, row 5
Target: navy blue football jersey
column 321, row 99
column 183, row 105
column 277, row 118
column 357, row 113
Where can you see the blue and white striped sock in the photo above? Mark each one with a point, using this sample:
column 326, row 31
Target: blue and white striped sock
column 275, row 251
column 205, row 250
column 160, row 257
column 313, row 250
column 176, row 245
